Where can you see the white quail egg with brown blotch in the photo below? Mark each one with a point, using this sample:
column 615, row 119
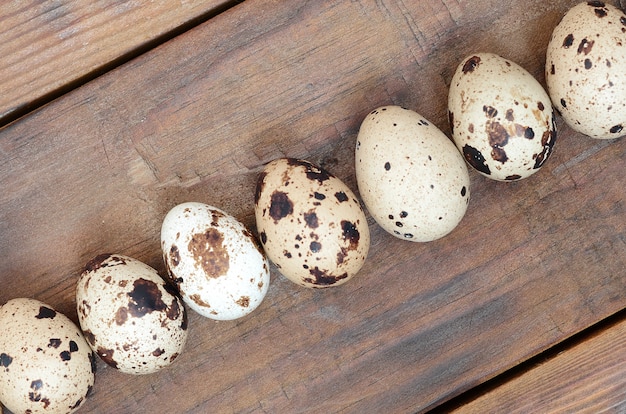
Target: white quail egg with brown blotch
column 215, row 262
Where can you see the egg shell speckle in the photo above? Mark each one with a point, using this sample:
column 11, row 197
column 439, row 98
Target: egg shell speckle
column 214, row 260
column 412, row 179
column 132, row 319
column 46, row 366
column 501, row 118
column 586, row 69
column 310, row 223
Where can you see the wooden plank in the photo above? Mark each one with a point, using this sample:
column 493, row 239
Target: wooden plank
column 531, row 263
column 48, row 46
column 587, row 378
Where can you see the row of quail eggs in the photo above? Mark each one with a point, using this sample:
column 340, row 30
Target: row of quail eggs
column 412, row 178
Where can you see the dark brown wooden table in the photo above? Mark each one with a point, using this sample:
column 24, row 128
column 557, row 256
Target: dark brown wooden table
column 111, row 113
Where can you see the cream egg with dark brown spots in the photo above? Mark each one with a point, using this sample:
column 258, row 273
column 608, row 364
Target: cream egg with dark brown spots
column 310, row 223
column 411, row 177
column 215, row 262
column 501, row 118
column 586, row 69
column 46, row 366
column 131, row 318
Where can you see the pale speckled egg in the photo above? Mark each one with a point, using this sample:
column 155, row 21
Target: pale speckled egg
column 411, row 177
column 501, row 118
column 132, row 319
column 310, row 223
column 46, row 366
column 214, row 260
column 586, row 69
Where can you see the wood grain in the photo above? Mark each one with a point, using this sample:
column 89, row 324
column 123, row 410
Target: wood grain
column 50, row 46
column 588, row 378
column 195, row 119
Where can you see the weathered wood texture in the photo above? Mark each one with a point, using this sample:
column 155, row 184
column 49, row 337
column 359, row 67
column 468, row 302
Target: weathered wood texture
column 588, row 378
column 46, row 46
column 531, row 263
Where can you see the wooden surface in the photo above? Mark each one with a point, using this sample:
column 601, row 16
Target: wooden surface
column 50, row 46
column 588, row 378
column 532, row 263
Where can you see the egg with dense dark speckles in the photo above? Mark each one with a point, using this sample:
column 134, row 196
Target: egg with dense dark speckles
column 132, row 319
column 310, row 223
column 46, row 366
column 411, row 177
column 501, row 118
column 215, row 262
column 586, row 69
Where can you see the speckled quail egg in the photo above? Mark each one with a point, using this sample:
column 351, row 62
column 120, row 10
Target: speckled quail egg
column 586, row 69
column 46, row 366
column 132, row 319
column 501, row 118
column 411, row 177
column 214, row 260
column 310, row 223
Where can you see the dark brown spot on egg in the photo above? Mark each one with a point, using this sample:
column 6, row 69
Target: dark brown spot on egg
column 509, row 115
column 387, row 166
column 476, row 159
column 310, row 218
column 547, row 140
column 540, row 106
column 312, row 172
column 463, row 191
column 585, row 46
column 529, row 133
column 209, row 252
column 65, row 356
column 35, row 394
column 470, row 128
column 568, row 41
column 341, row 196
column 54, row 343
column 616, row 128
column 350, row 234
column 315, row 247
column 73, row 346
column 198, row 300
column 281, row 206
column 323, row 278
column 158, row 352
column 243, row 301
column 263, row 237
column 497, row 134
column 490, row 111
column 173, row 311
column 174, row 256
column 260, row 185
column 499, row 155
column 513, row 177
column 403, row 214
column 94, row 365
column 563, row 103
column 287, row 254
column 46, row 313
column 588, row 64
column 96, row 263
column 471, row 64
column 5, row 360
column 145, row 298
column 77, row 404
column 121, row 315
column 600, row 12
column 319, row 196
column 552, row 69
column 107, row 356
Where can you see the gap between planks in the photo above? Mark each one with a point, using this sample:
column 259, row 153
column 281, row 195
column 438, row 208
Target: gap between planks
column 530, row 364
column 120, row 60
